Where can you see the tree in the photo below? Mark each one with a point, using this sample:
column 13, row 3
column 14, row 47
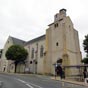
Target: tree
column 16, row 53
column 85, row 45
column 85, row 60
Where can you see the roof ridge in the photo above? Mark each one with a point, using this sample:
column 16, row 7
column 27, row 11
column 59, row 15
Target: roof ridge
column 17, row 39
column 36, row 39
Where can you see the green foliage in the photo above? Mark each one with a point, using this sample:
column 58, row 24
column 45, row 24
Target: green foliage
column 85, row 60
column 85, row 44
column 16, row 53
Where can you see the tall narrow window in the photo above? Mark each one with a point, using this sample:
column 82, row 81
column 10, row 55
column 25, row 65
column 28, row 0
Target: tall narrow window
column 41, row 51
column 32, row 53
column 57, row 44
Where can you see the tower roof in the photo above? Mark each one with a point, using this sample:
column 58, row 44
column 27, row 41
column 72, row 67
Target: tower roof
column 63, row 10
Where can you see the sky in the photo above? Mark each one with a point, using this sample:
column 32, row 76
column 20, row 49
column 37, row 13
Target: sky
column 28, row 19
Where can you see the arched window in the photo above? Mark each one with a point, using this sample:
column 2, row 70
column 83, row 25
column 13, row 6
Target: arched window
column 32, row 53
column 41, row 51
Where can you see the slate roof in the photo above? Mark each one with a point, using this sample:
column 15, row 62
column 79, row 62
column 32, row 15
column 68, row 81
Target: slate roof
column 18, row 41
column 36, row 39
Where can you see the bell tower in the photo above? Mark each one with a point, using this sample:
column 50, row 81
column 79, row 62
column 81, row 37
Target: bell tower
column 62, row 42
column 60, row 15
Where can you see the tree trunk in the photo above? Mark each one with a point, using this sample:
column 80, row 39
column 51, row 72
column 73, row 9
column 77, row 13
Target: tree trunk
column 15, row 67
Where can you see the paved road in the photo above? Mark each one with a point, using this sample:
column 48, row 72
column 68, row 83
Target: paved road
column 27, row 81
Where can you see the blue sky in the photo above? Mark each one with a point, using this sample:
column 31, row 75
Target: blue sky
column 27, row 19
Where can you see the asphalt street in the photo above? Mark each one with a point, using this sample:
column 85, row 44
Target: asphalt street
column 27, row 81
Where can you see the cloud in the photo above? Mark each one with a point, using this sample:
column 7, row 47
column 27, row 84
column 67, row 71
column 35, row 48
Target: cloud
column 27, row 19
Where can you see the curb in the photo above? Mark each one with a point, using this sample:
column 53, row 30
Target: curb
column 14, row 73
column 69, row 81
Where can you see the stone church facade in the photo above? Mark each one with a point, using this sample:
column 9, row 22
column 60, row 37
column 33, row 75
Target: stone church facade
column 60, row 41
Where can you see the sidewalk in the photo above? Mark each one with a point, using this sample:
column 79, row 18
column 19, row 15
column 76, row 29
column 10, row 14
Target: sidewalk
column 69, row 81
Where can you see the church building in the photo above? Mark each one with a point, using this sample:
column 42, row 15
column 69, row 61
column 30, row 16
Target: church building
column 60, row 42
